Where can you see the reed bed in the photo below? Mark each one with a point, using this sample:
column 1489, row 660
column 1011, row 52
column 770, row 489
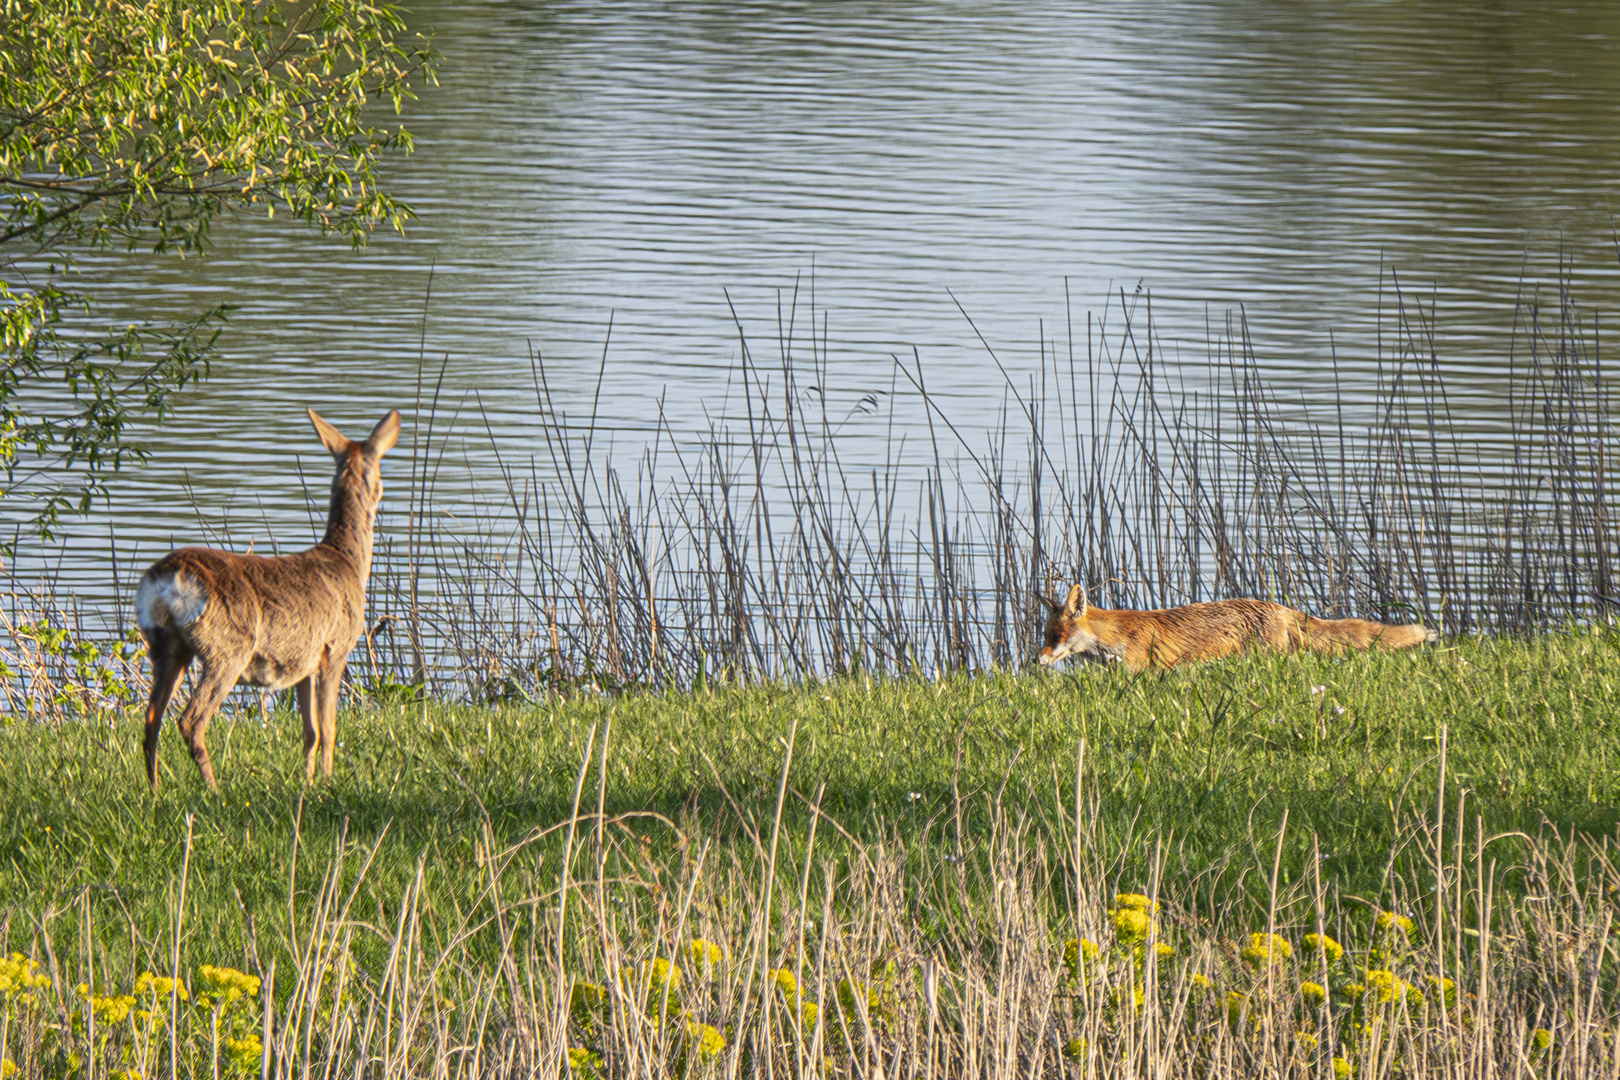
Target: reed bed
column 796, row 539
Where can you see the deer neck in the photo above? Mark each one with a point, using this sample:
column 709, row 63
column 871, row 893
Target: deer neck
column 349, row 526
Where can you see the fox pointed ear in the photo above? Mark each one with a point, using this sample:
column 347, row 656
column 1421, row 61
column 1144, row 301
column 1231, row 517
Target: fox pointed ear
column 1051, row 604
column 333, row 439
column 384, row 435
column 1076, row 603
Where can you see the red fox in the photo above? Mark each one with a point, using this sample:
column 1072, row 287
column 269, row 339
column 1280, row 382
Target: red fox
column 1205, row 631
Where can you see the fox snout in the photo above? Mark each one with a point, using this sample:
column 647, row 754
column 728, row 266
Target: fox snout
column 1081, row 644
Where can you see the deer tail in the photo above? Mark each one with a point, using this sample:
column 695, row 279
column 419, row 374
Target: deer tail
column 169, row 599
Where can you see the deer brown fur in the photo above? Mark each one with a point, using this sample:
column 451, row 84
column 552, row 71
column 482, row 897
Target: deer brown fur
column 1172, row 636
column 271, row 622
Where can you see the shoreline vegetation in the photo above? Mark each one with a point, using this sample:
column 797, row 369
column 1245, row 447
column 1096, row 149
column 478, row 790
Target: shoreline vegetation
column 780, row 544
column 645, row 773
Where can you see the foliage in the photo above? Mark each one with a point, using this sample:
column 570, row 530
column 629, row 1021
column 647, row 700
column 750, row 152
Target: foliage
column 133, row 127
column 49, row 671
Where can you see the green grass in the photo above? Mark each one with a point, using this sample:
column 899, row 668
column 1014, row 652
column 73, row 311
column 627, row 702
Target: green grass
column 1210, row 756
column 1187, row 777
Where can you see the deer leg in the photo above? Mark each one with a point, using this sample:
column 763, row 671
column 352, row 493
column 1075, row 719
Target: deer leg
column 212, row 687
column 304, row 690
column 331, row 678
column 170, row 655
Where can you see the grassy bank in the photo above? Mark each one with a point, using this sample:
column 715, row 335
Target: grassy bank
column 434, row 908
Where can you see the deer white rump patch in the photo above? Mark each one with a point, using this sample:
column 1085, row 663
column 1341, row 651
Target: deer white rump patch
column 170, row 601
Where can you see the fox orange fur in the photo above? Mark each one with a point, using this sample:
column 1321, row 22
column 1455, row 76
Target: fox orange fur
column 1142, row 639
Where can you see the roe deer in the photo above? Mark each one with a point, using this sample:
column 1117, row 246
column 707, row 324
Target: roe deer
column 272, row 622
column 1204, row 631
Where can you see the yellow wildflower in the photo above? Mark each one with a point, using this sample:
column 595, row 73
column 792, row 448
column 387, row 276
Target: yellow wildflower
column 1201, row 982
column 1386, row 984
column 8, row 1069
column 226, row 985
column 245, row 1054
column 161, row 986
column 809, row 1012
column 1315, row 993
column 1123, row 901
column 1164, row 951
column 665, row 976
column 1307, row 1039
column 1078, row 950
column 112, row 1009
column 1267, row 949
column 1541, row 1038
column 1342, row 1069
column 1389, row 920
column 708, row 1040
column 785, row 983
column 1132, row 925
column 1075, row 1049
column 1321, row 943
column 1132, row 915
column 849, row 992
column 705, row 954
column 18, row 973
column 885, row 975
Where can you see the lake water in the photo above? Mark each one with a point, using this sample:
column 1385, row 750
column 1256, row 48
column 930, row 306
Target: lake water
column 666, row 168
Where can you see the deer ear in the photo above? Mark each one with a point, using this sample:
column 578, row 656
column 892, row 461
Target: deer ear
column 333, row 439
column 384, row 435
column 1076, row 603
